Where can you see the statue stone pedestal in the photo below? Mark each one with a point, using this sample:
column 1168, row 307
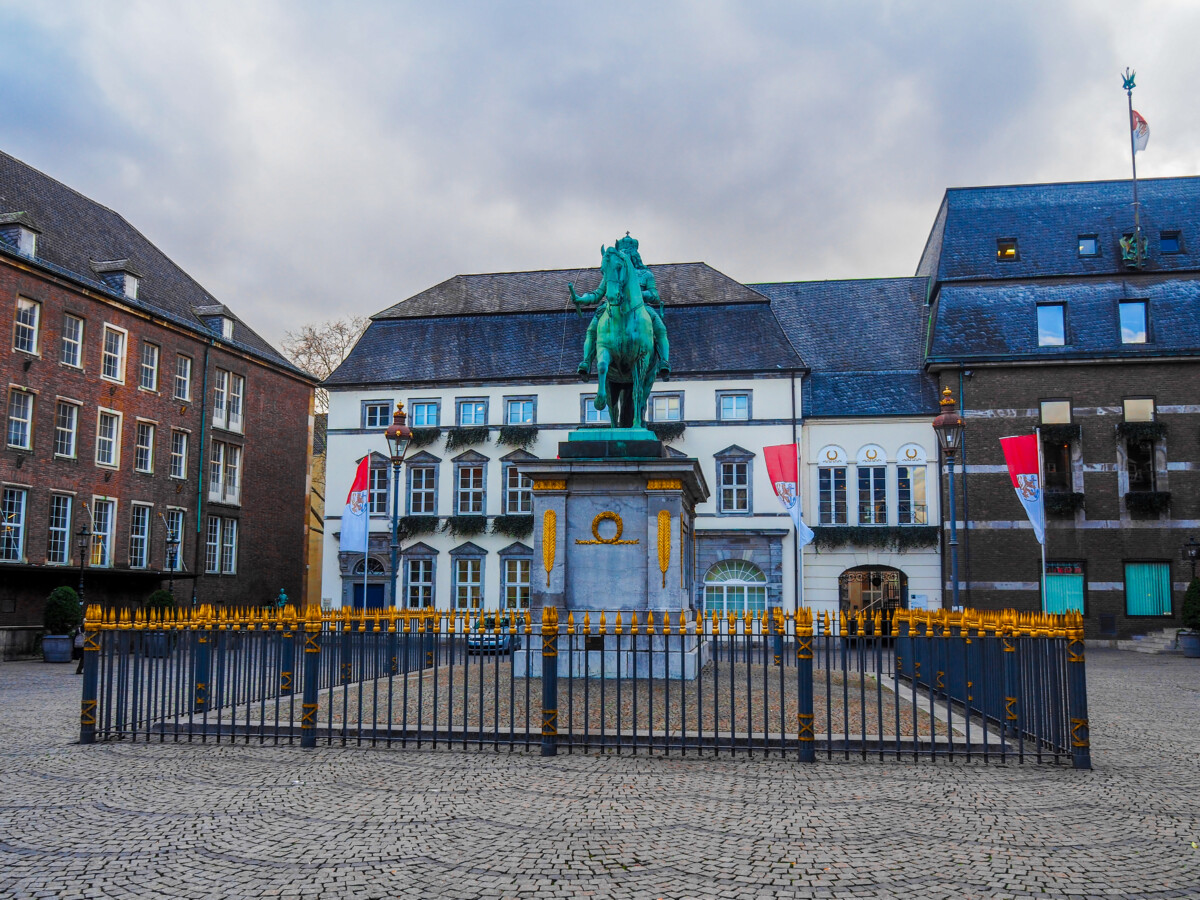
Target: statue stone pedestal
column 615, row 534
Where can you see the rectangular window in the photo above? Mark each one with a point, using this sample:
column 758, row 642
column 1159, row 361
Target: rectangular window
column 426, row 414
column 225, row 473
column 104, row 513
column 1133, row 321
column 377, row 415
column 472, row 412
column 25, row 328
column 518, row 496
column 519, row 411
column 1139, row 409
column 237, row 394
column 1139, row 460
column 12, row 528
column 872, row 495
column 58, row 543
column 734, row 481
column 1089, row 245
column 666, row 407
column 220, row 546
column 112, row 364
column 108, row 439
column 1169, row 242
column 139, row 536
column 212, row 545
column 420, row 584
column 174, row 541
column 516, row 583
column 910, row 495
column 179, row 454
column 1056, row 461
column 148, row 375
column 1056, row 412
column 20, row 419
column 1006, row 249
column 229, row 536
column 733, row 407
column 143, row 452
column 1147, row 589
column 66, row 427
column 423, row 492
column 1052, row 325
column 594, row 416
column 1064, row 588
column 468, row 583
column 831, row 495
column 469, row 500
column 72, row 341
column 377, row 490
column 183, row 378
column 220, row 398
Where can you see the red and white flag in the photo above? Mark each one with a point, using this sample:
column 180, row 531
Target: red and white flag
column 783, row 465
column 1024, row 468
column 1141, row 132
column 354, row 518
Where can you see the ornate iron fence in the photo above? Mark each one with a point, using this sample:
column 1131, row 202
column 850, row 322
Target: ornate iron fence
column 920, row 684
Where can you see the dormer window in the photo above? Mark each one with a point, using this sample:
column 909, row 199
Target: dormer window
column 1169, row 242
column 221, row 325
column 117, row 276
column 1006, row 249
column 1051, row 325
column 1089, row 245
column 19, row 233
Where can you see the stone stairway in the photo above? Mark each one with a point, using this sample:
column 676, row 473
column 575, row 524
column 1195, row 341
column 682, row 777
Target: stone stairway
column 1154, row 642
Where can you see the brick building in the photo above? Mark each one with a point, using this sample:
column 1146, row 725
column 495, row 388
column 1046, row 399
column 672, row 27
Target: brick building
column 136, row 406
column 1042, row 317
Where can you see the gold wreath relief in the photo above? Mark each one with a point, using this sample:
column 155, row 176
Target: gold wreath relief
column 615, row 539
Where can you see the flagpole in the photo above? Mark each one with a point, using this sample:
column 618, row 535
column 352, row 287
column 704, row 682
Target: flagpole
column 796, row 537
column 1137, row 220
column 1045, row 525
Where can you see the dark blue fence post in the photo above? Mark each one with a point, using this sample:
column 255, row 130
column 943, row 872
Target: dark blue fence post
column 312, row 669
column 1012, row 671
column 549, row 681
column 804, row 666
column 1081, row 752
column 777, row 620
column 287, row 651
column 91, row 676
column 201, row 674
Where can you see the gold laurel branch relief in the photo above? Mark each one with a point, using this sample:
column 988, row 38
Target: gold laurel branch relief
column 664, row 543
column 549, row 539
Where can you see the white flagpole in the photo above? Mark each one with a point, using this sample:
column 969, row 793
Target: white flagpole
column 366, row 536
column 796, row 532
column 1045, row 525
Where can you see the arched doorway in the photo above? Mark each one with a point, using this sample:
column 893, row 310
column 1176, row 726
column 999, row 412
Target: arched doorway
column 734, row 585
column 376, row 586
column 872, row 589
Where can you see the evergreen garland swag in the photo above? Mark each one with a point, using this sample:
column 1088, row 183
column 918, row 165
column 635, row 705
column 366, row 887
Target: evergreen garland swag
column 457, row 438
column 513, row 526
column 423, row 437
column 415, row 526
column 465, row 526
column 667, row 431
column 520, row 436
column 898, row 538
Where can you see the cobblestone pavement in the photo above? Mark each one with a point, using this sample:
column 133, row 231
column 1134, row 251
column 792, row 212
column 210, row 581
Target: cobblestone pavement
column 125, row 820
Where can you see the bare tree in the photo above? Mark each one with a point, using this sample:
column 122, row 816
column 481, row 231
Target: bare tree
column 320, row 348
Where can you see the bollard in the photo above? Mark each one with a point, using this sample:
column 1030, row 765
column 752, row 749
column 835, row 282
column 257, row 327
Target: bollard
column 804, row 666
column 312, row 664
column 550, row 681
column 91, row 675
column 1081, row 752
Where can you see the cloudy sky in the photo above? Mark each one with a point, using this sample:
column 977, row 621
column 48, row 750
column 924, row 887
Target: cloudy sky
column 304, row 160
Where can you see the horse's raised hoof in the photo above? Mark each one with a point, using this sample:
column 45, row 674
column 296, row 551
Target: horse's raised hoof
column 583, row 370
column 600, row 402
column 664, row 374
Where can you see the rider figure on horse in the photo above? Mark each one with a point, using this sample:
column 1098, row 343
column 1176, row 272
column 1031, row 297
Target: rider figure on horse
column 662, row 348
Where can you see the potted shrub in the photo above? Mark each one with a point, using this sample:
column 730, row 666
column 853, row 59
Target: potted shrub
column 1189, row 635
column 162, row 603
column 63, row 617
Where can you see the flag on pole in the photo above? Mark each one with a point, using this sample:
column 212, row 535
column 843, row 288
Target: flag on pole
column 1141, row 132
column 783, row 467
column 354, row 518
column 1021, row 454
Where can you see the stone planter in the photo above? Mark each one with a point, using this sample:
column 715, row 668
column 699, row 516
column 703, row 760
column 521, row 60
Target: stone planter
column 1189, row 643
column 56, row 648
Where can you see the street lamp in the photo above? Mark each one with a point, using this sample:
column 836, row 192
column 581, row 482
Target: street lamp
column 172, row 556
column 949, row 429
column 398, row 436
column 84, row 534
column 1190, row 552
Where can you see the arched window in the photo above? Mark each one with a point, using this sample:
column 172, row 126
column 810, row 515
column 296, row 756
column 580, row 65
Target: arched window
column 734, row 585
column 375, row 567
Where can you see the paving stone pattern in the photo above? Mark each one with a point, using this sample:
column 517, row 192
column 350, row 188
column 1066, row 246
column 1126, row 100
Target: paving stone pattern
column 148, row 820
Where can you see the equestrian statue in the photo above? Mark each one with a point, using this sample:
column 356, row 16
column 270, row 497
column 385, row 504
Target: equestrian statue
column 626, row 338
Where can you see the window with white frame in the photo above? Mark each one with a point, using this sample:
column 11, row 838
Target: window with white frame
column 236, row 403
column 58, row 531
column 179, row 454
column 872, row 495
column 12, row 524
column 377, row 490
column 104, row 514
column 733, row 480
column 148, row 373
column 519, row 411
column 229, row 545
column 143, row 451
column 468, row 499
column 666, row 407
column 183, row 378
column 516, row 583
column 735, row 586
column 173, row 561
column 472, row 412
column 220, row 546
column 220, row 398
column 26, row 325
column 733, row 406
column 831, row 495
column 518, row 493
column 225, row 473
column 72, row 341
column 468, row 583
column 376, row 414
column 212, row 545
column 139, row 536
column 20, row 419
column 112, row 359
column 422, row 492
column 910, row 495
column 66, row 428
column 591, row 415
column 108, row 438
column 420, row 584
column 426, row 414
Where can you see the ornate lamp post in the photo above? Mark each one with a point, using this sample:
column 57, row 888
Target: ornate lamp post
column 1191, row 552
column 84, row 534
column 949, row 429
column 172, row 557
column 398, row 436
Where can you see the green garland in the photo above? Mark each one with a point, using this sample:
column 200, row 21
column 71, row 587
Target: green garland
column 900, row 538
column 423, row 437
column 1142, row 431
column 1063, row 503
column 457, row 438
column 1148, row 502
column 1060, row 433
column 415, row 526
column 667, row 431
column 465, row 526
column 521, row 436
column 513, row 526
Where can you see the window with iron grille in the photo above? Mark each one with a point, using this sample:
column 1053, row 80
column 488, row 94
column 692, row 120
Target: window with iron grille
column 25, row 329
column 148, row 376
column 112, row 361
column 12, row 525
column 20, row 419
column 72, row 341
column 139, row 536
column 831, row 495
column 143, row 451
column 58, row 530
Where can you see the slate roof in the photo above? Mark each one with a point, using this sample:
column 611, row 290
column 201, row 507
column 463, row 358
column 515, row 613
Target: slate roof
column 1047, row 220
column 999, row 320
column 863, row 340
column 679, row 284
column 76, row 233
